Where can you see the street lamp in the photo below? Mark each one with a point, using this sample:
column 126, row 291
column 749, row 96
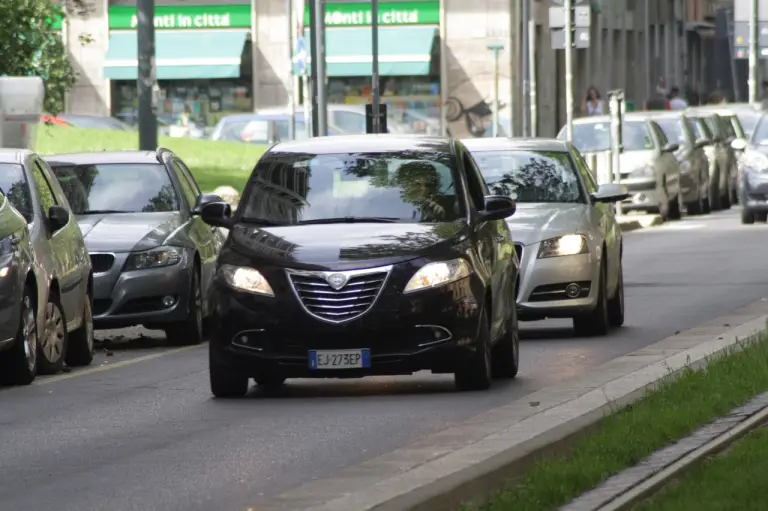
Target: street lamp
column 495, row 48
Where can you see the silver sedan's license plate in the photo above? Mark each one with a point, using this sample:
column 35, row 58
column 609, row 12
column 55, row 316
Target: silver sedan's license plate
column 340, row 359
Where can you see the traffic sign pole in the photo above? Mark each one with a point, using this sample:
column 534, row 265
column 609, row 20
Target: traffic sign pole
column 753, row 49
column 569, row 70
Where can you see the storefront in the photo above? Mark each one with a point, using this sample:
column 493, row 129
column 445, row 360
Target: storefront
column 202, row 56
column 408, row 53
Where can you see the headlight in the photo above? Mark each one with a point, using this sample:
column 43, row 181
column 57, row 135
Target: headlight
column 570, row 244
column 155, row 258
column 438, row 274
column 646, row 171
column 246, row 279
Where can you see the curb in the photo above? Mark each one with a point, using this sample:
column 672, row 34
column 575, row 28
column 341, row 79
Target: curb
column 630, row 226
column 469, row 462
column 635, row 222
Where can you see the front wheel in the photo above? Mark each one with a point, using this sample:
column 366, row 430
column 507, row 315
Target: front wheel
column 505, row 356
column 747, row 217
column 52, row 345
column 596, row 322
column 80, row 348
column 673, row 210
column 189, row 331
column 616, row 303
column 18, row 365
column 476, row 373
column 225, row 383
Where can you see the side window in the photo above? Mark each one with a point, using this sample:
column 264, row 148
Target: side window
column 584, row 171
column 186, row 188
column 43, row 187
column 190, row 177
column 477, row 187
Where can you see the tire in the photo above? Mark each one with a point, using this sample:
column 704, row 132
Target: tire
column 596, row 322
column 52, row 344
column 505, row 356
column 747, row 217
column 714, row 198
column 761, row 217
column 475, row 374
column 18, row 365
column 225, row 383
column 673, row 210
column 80, row 346
column 693, row 208
column 190, row 331
column 616, row 303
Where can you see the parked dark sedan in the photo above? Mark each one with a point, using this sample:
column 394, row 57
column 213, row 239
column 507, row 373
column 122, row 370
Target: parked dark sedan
column 360, row 255
column 153, row 258
column 45, row 274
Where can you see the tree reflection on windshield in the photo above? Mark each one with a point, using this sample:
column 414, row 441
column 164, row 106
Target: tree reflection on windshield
column 530, row 176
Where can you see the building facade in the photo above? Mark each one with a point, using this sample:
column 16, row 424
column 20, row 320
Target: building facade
column 216, row 57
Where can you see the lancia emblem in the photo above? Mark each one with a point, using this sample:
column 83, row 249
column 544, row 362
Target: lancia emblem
column 336, row 280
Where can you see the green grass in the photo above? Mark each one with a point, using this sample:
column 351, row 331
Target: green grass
column 668, row 413
column 213, row 164
column 734, row 480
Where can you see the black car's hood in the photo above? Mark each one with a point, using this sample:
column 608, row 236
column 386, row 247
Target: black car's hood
column 125, row 232
column 344, row 246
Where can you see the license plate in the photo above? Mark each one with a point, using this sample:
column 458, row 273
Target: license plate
column 339, row 359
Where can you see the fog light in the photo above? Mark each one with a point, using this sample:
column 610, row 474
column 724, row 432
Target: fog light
column 572, row 290
column 168, row 301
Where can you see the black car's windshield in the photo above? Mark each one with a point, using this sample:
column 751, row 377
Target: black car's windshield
column 674, row 129
column 413, row 186
column 117, row 188
column 14, row 185
column 596, row 136
column 531, row 176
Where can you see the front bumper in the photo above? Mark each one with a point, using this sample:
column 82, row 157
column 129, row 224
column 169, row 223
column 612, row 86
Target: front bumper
column 433, row 329
column 123, row 299
column 643, row 194
column 543, row 285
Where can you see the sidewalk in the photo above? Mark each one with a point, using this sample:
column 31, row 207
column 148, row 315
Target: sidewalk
column 635, row 222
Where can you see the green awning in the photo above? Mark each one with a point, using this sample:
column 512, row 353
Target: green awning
column 403, row 51
column 199, row 54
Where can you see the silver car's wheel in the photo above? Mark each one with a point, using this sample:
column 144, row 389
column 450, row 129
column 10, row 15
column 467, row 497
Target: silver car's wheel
column 53, row 339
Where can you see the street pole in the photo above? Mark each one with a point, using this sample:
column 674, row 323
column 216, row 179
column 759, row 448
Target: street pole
column 525, row 56
column 145, row 33
column 647, row 51
column 318, row 67
column 375, row 64
column 569, row 70
column 291, row 90
column 753, row 49
column 532, row 98
column 313, row 30
column 255, row 57
column 495, row 48
column 615, row 101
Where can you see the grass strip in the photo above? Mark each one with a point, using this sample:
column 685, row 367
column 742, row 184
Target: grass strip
column 733, row 480
column 669, row 412
column 212, row 163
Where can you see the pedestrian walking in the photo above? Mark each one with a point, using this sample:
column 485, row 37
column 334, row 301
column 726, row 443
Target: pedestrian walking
column 675, row 101
column 592, row 104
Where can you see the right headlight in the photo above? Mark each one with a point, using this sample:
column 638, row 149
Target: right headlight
column 570, row 244
column 245, row 279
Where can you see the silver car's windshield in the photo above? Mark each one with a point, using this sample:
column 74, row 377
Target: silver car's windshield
column 596, row 136
column 117, row 187
column 531, row 176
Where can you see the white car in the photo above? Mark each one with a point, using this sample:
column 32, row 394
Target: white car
column 566, row 235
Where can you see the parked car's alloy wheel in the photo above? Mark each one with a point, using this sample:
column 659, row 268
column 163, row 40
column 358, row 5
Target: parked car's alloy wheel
column 476, row 373
column 52, row 345
column 80, row 345
column 190, row 331
column 18, row 365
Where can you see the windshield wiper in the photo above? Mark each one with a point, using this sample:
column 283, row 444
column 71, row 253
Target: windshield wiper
column 352, row 220
column 103, row 211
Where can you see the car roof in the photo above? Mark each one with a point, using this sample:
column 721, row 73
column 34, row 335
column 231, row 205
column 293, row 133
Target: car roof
column 593, row 119
column 522, row 143
column 659, row 114
column 104, row 157
column 364, row 143
column 13, row 155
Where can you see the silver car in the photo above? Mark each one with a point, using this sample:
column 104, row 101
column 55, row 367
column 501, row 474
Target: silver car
column 565, row 232
column 649, row 168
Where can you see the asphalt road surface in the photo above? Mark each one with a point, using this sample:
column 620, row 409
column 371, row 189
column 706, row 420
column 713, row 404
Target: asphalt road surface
column 139, row 429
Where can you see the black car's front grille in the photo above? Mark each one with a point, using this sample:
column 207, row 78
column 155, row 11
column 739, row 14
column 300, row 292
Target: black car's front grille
column 519, row 250
column 350, row 301
column 102, row 263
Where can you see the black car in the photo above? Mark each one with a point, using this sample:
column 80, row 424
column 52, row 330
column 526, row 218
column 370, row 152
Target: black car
column 364, row 255
column 153, row 257
column 46, row 281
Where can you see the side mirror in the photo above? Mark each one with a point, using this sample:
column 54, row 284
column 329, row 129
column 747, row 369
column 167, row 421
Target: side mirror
column 58, row 217
column 217, row 214
column 610, row 192
column 497, row 207
column 203, row 200
column 701, row 142
column 670, row 148
column 738, row 144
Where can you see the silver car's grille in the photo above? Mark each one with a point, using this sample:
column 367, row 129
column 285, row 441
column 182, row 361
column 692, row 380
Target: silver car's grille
column 338, row 296
column 102, row 263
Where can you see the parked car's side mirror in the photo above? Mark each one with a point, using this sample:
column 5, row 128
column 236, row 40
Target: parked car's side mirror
column 498, row 207
column 671, row 147
column 610, row 192
column 58, row 217
column 701, row 142
column 738, row 144
column 217, row 214
column 203, row 200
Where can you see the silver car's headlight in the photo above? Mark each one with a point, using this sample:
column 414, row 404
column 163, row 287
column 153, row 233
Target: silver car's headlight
column 570, row 244
column 438, row 274
column 155, row 258
column 245, row 279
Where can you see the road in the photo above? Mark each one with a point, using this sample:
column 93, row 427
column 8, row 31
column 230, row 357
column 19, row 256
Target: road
column 148, row 435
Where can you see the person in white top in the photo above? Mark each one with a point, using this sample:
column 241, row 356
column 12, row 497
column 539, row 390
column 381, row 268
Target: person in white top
column 592, row 104
column 675, row 101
